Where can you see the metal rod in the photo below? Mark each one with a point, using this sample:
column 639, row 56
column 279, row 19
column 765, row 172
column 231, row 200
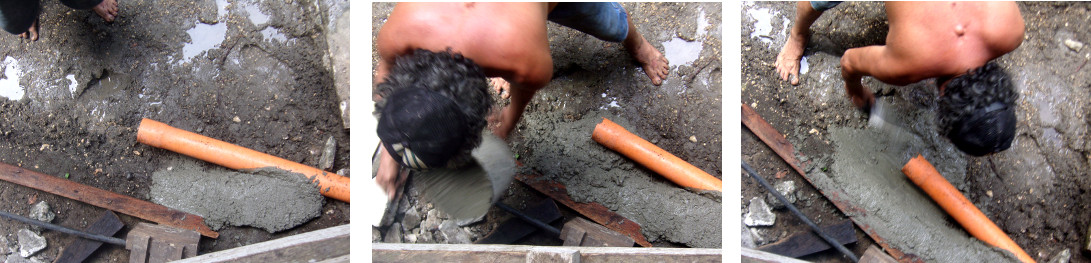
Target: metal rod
column 529, row 219
column 99, row 238
column 833, row 242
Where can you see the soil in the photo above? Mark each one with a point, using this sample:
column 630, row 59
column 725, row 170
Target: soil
column 1034, row 191
column 253, row 73
column 594, row 79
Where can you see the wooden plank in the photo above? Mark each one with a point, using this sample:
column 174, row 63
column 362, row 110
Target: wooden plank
column 515, row 228
column 107, row 225
column 750, row 255
column 581, row 232
column 595, row 211
column 105, row 199
column 876, row 255
column 776, row 141
column 807, row 242
column 398, row 252
column 319, row 245
column 163, row 243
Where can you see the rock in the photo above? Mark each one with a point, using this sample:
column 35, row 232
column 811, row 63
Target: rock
column 787, row 188
column 410, row 238
column 343, row 172
column 425, row 237
column 692, row 138
column 393, row 234
column 325, row 162
column 41, row 212
column 236, row 119
column 411, row 219
column 760, row 214
column 30, row 243
column 431, row 221
column 453, row 234
column 376, row 235
column 1061, row 257
column 17, row 259
column 747, row 238
column 5, row 245
column 1073, row 45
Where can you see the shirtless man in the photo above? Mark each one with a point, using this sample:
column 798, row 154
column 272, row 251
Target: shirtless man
column 503, row 41
column 954, row 42
column 21, row 16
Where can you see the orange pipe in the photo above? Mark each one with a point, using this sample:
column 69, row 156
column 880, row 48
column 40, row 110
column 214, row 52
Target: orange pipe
column 616, row 138
column 232, row 156
column 927, row 178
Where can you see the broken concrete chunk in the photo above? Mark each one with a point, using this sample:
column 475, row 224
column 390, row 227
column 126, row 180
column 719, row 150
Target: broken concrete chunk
column 760, row 214
column 1061, row 257
column 376, row 235
column 1073, row 44
column 411, row 219
column 325, row 162
column 787, row 188
column 4, row 245
column 747, row 238
column 453, row 234
column 431, row 221
column 393, row 234
column 41, row 212
column 29, row 243
column 17, row 259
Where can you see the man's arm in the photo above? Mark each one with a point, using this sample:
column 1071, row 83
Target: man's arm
column 879, row 62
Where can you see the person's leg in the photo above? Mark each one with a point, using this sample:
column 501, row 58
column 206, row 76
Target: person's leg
column 610, row 22
column 20, row 17
column 787, row 63
column 107, row 9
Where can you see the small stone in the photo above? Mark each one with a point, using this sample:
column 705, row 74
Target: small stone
column 1062, row 257
column 4, row 245
column 759, row 213
column 748, row 238
column 692, row 138
column 325, row 162
column 411, row 219
column 29, row 243
column 41, row 212
column 16, row 259
column 236, row 119
column 431, row 221
column 376, row 235
column 787, row 188
column 453, row 234
column 410, row 238
column 425, row 237
column 393, row 234
column 343, row 172
column 989, row 193
column 1073, row 45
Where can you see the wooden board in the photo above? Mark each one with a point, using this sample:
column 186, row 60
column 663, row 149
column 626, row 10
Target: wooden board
column 107, row 225
column 323, row 245
column 584, row 233
column 807, row 242
column 394, row 252
column 105, row 199
column 595, row 211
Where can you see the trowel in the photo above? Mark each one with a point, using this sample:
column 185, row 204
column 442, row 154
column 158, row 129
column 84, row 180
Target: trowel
column 467, row 192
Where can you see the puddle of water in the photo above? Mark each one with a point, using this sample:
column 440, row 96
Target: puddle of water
column 203, row 37
column 9, row 85
column 72, row 85
column 763, row 24
column 253, row 12
column 221, row 8
column 273, row 34
column 804, row 67
column 701, row 23
column 681, row 52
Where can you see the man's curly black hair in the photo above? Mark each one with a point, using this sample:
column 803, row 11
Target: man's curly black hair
column 434, row 103
column 976, row 110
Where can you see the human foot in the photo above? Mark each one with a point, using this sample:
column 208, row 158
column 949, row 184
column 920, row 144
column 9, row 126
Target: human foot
column 32, row 32
column 787, row 63
column 500, row 86
column 655, row 64
column 107, row 10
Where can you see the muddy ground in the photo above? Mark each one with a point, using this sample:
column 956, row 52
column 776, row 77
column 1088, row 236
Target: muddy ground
column 254, row 73
column 593, row 79
column 1034, row 191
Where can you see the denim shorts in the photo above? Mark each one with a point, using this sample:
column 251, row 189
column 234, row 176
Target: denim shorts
column 824, row 5
column 606, row 21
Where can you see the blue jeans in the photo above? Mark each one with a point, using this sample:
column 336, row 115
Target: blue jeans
column 606, row 21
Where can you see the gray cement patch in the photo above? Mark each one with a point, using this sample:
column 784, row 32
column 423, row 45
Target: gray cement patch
column 867, row 168
column 564, row 152
column 267, row 198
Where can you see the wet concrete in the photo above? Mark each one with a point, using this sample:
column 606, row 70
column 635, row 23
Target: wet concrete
column 267, row 198
column 1033, row 191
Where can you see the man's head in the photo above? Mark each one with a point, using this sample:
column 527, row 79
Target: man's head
column 432, row 109
column 977, row 112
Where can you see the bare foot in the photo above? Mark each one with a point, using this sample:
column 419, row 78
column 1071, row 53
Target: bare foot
column 500, row 86
column 32, row 32
column 107, row 10
column 788, row 60
column 655, row 64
